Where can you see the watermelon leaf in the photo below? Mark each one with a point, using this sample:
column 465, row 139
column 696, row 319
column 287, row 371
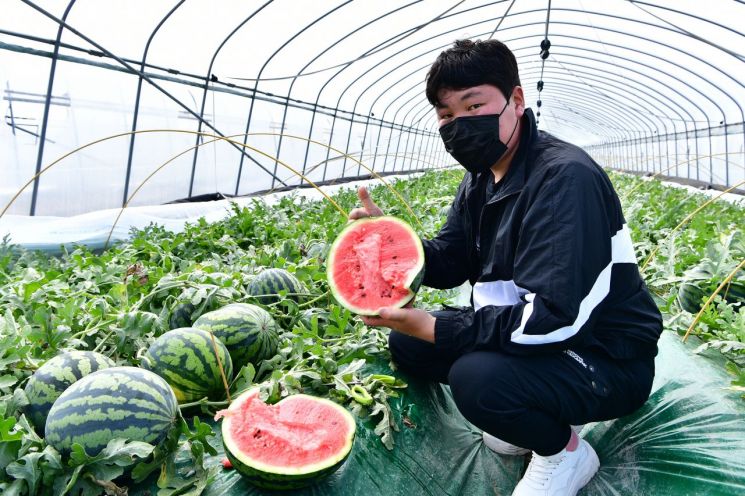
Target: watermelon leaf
column 112, row 460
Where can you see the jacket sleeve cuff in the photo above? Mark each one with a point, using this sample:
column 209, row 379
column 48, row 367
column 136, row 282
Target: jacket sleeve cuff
column 446, row 323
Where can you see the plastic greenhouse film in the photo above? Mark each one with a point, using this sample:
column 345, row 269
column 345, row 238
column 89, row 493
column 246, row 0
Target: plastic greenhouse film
column 689, row 438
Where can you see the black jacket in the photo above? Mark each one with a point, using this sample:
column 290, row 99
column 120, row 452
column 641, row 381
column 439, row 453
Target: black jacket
column 550, row 258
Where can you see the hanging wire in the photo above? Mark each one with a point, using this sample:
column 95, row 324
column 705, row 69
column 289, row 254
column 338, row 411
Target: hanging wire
column 545, row 46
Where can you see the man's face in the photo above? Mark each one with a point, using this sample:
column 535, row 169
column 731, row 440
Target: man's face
column 482, row 100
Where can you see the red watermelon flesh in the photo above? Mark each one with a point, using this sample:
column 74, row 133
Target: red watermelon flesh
column 374, row 263
column 292, row 442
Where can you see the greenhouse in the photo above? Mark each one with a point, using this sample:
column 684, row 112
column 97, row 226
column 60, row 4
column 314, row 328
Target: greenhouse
column 378, row 248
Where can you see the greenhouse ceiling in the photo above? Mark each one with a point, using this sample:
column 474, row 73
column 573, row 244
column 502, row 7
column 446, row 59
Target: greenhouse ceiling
column 644, row 85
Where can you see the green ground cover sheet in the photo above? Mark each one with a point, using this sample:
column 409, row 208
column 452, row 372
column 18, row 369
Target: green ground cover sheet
column 689, row 438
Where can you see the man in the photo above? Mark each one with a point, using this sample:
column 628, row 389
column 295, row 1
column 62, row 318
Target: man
column 563, row 330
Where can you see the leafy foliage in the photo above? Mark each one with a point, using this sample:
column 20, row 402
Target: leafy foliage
column 119, row 301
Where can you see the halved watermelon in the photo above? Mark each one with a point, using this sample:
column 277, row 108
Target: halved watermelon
column 375, row 262
column 289, row 445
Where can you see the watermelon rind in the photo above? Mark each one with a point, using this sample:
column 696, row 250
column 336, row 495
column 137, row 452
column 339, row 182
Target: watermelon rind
column 412, row 282
column 185, row 358
column 265, row 287
column 118, row 402
column 248, row 331
column 268, row 476
column 54, row 377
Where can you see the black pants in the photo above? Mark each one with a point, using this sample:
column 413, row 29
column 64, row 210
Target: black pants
column 530, row 401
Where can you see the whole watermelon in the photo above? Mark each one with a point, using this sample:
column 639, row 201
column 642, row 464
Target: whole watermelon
column 54, row 377
column 692, row 294
column 186, row 359
column 248, row 331
column 118, row 402
column 317, row 249
column 181, row 315
column 267, row 285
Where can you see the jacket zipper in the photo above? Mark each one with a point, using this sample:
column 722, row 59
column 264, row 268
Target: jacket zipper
column 481, row 217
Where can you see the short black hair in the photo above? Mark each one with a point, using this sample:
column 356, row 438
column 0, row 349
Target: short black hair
column 472, row 63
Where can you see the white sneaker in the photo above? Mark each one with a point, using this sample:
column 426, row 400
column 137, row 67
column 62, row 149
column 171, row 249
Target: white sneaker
column 562, row 474
column 504, row 448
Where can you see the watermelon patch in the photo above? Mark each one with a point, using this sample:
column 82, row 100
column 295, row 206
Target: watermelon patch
column 375, row 262
column 289, row 445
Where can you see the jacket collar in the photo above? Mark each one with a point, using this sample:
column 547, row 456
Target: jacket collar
column 516, row 176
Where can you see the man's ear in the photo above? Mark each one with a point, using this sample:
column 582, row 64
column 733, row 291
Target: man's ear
column 518, row 97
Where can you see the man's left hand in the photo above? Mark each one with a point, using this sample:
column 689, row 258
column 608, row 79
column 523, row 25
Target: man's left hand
column 412, row 321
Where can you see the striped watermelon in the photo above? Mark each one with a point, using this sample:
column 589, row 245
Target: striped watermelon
column 186, row 359
column 692, row 294
column 118, row 402
column 289, row 445
column 267, row 285
column 248, row 331
column 690, row 297
column 181, row 315
column 54, row 377
column 317, row 249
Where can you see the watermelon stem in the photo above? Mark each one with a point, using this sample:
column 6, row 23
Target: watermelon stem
column 103, row 342
column 219, row 364
column 96, row 327
column 203, row 401
column 309, row 303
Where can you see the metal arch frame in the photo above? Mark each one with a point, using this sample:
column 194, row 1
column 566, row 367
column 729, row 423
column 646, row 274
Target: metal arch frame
column 613, row 90
column 607, row 29
column 137, row 99
column 592, row 76
column 359, row 96
column 656, row 70
column 343, row 92
column 698, row 18
column 131, row 70
column 256, row 84
column 581, row 94
column 47, row 103
column 619, row 93
column 647, row 39
column 397, row 37
column 207, row 77
column 647, row 75
column 408, row 75
column 414, row 118
column 319, row 55
column 668, row 46
column 651, row 77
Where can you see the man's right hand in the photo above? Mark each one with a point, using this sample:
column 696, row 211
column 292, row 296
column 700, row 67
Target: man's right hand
column 368, row 209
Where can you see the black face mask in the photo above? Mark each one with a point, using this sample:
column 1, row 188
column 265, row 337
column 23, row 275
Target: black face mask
column 474, row 140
